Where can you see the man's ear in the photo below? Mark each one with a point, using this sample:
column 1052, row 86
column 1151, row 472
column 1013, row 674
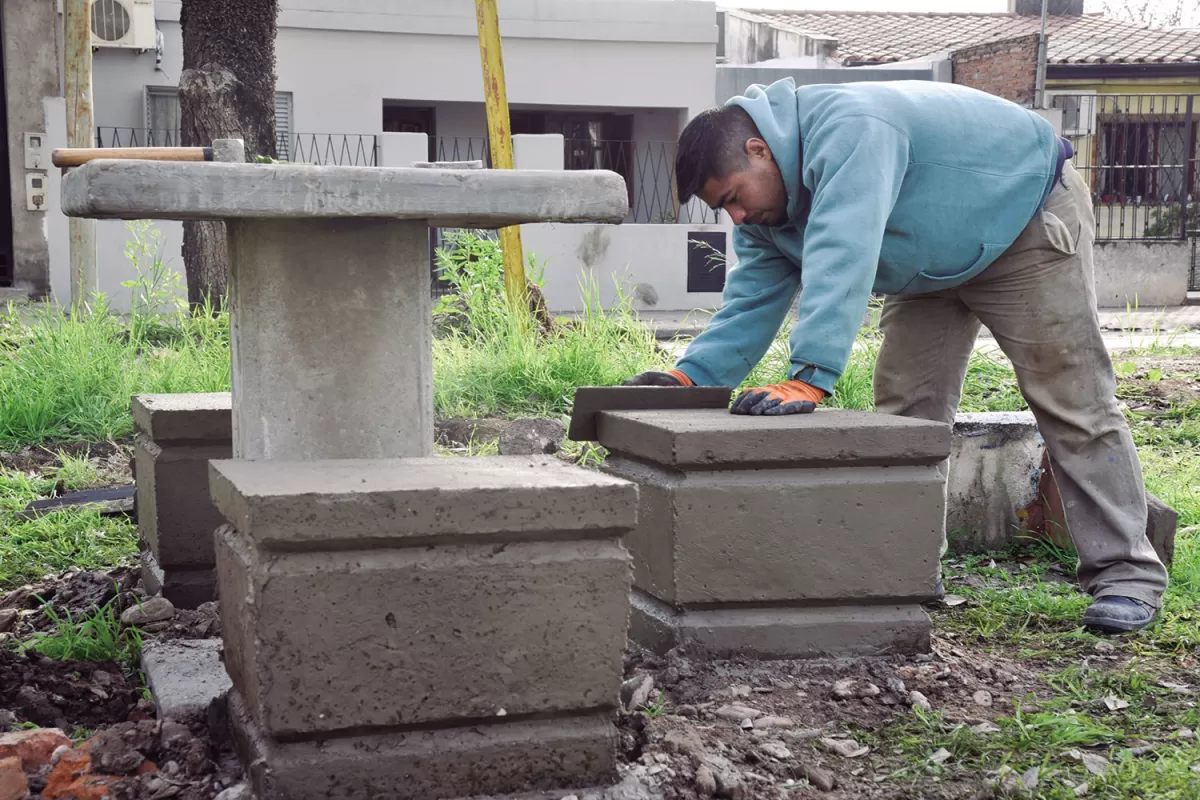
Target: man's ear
column 757, row 148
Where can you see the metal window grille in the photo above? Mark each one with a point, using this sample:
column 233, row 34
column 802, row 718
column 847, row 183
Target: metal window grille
column 1137, row 153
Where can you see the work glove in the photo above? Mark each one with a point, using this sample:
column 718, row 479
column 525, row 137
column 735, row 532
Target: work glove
column 789, row 397
column 672, row 378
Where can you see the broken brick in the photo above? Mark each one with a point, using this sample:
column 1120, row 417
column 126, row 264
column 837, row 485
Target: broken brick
column 13, row 785
column 33, row 747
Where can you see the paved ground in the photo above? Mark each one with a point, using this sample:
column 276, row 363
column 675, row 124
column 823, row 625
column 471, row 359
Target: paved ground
column 1123, row 330
column 1163, row 322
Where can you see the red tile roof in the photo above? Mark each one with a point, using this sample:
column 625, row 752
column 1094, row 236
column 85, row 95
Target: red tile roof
column 871, row 36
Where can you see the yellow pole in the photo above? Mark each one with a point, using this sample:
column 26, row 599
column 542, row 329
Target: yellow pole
column 77, row 46
column 500, row 139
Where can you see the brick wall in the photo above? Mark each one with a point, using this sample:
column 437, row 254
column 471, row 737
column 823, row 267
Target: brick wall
column 1007, row 68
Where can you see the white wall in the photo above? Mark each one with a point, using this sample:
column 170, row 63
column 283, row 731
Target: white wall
column 341, row 59
column 341, row 64
column 647, row 262
column 1141, row 273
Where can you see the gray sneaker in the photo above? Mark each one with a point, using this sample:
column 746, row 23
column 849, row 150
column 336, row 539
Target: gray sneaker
column 1116, row 614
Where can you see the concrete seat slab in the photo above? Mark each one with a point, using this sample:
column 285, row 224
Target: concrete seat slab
column 125, row 189
column 325, row 504
column 706, row 438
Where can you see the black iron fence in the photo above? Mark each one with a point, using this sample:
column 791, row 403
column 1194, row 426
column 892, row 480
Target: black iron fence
column 330, row 149
column 337, row 149
column 1137, row 152
column 136, row 137
column 648, row 168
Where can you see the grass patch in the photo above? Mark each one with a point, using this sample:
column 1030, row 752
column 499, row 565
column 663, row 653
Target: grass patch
column 51, row 543
column 97, row 636
column 69, row 374
column 493, row 362
column 1050, row 743
column 990, row 384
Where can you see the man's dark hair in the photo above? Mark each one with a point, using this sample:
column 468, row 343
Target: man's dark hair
column 712, row 145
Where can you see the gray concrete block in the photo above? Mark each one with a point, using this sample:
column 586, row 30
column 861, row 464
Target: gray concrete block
column 782, row 633
column 321, row 642
column 176, row 515
column 786, row 535
column 185, row 676
column 483, row 759
column 824, row 535
column 310, row 384
column 205, row 417
column 185, row 588
column 447, row 198
column 334, row 504
column 710, row 438
column 995, row 466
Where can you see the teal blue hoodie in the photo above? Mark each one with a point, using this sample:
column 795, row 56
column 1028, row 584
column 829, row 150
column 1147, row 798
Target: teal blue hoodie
column 896, row 187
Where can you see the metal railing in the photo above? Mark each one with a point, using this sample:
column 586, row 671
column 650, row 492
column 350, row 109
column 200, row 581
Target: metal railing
column 648, row 168
column 330, row 149
column 1137, row 153
column 338, row 149
column 136, row 137
column 464, row 148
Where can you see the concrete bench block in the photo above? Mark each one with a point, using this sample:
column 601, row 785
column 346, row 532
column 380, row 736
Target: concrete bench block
column 1001, row 488
column 785, row 536
column 177, row 435
column 419, row 608
column 995, row 467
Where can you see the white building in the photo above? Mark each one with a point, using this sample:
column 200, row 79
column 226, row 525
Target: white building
column 615, row 80
column 590, row 85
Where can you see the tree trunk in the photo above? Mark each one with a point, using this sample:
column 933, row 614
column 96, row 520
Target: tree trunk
column 226, row 91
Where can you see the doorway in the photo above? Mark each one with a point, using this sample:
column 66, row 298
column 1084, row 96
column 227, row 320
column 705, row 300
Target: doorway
column 6, row 205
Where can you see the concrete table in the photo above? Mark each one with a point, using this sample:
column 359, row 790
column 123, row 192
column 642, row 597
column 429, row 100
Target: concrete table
column 330, row 282
column 394, row 625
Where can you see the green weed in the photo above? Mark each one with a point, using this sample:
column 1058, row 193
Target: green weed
column 51, row 543
column 97, row 636
column 69, row 374
column 494, row 363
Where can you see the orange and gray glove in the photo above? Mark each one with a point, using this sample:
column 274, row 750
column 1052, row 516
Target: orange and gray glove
column 672, row 378
column 789, row 397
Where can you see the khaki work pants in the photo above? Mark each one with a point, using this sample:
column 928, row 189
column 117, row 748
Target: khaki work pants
column 1039, row 301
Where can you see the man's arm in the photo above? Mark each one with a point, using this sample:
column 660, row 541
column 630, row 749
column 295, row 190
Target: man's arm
column 857, row 171
column 758, row 293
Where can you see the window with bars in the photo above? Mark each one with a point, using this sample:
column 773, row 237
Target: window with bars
column 162, row 116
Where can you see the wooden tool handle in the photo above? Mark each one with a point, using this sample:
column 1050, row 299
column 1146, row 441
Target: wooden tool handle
column 74, row 157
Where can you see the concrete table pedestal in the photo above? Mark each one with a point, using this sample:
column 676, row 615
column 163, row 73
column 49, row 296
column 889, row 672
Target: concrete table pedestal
column 423, row 628
column 394, row 625
column 781, row 537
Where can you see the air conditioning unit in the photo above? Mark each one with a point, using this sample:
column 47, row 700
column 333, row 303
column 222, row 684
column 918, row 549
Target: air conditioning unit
column 123, row 23
column 1079, row 111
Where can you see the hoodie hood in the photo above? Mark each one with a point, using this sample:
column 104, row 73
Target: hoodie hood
column 774, row 110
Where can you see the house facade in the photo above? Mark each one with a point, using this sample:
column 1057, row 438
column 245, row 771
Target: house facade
column 1127, row 96
column 613, row 82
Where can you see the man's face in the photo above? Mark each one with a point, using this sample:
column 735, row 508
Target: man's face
column 754, row 194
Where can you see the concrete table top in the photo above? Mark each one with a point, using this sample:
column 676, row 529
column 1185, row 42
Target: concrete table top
column 447, row 198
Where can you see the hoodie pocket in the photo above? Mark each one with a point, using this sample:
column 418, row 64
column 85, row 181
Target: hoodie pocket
column 924, row 282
